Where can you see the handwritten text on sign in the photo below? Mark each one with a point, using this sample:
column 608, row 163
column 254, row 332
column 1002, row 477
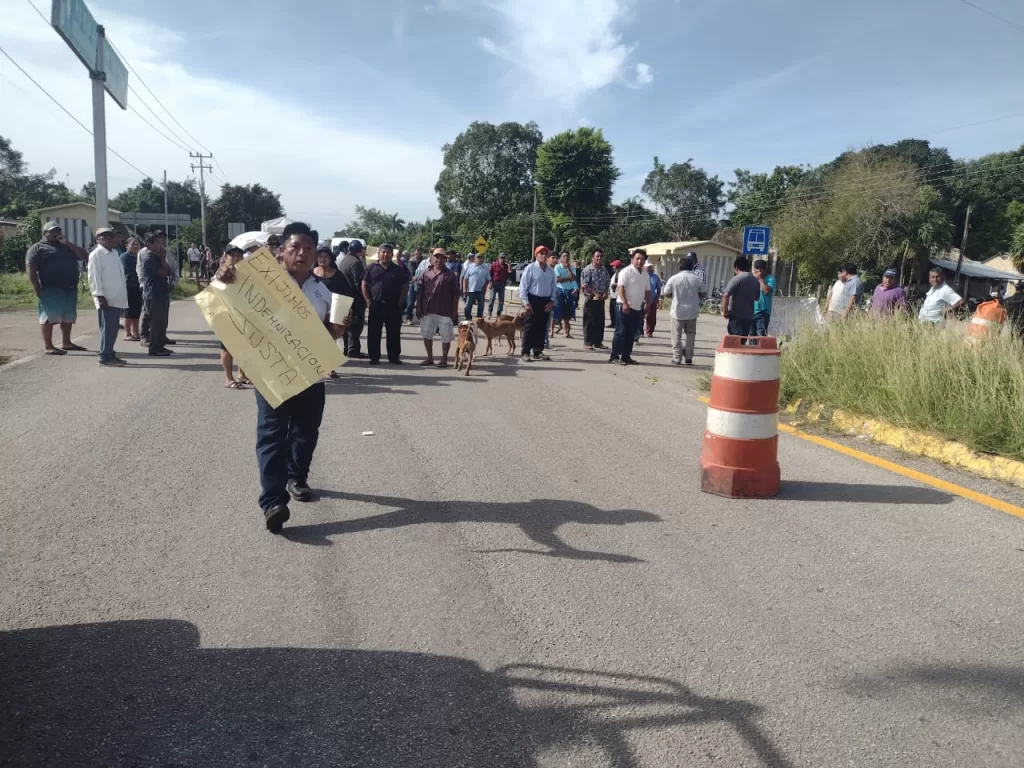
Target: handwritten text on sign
column 270, row 328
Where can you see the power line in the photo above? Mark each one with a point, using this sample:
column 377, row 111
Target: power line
column 139, row 115
column 150, row 91
column 993, row 14
column 66, row 112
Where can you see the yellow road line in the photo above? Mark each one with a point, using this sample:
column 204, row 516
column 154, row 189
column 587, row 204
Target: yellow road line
column 913, row 474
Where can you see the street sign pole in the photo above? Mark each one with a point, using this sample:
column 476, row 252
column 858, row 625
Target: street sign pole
column 99, row 130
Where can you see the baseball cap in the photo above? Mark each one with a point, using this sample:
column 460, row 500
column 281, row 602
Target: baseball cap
column 650, row 264
column 890, row 273
column 616, row 263
column 104, row 231
column 540, row 249
column 50, row 225
column 691, row 256
column 323, row 248
column 356, row 247
column 437, row 252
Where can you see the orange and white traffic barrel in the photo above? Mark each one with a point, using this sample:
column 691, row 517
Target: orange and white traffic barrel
column 739, row 457
column 987, row 320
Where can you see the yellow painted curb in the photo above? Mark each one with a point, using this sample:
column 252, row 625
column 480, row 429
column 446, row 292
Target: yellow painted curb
column 917, row 444
column 913, row 474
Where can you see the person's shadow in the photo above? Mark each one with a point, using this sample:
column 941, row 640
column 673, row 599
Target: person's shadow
column 147, row 693
column 539, row 519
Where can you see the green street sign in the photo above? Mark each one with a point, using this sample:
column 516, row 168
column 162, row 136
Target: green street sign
column 74, row 23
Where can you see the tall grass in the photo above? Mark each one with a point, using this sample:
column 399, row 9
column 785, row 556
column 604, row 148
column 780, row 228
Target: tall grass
column 916, row 376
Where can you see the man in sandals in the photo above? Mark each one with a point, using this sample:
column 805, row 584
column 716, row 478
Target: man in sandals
column 437, row 303
column 52, row 266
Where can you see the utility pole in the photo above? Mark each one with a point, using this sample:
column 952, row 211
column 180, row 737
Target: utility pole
column 533, row 244
column 963, row 246
column 202, row 186
column 167, row 225
column 99, row 130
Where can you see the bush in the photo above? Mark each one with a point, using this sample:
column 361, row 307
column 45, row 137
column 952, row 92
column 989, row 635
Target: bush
column 915, row 376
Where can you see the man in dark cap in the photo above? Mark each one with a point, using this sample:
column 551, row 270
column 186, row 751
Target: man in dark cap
column 156, row 291
column 353, row 267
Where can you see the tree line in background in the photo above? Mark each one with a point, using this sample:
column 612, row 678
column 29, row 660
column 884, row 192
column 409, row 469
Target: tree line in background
column 22, row 192
column 890, row 204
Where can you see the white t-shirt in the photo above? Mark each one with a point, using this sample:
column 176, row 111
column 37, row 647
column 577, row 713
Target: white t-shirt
column 106, row 278
column 936, row 301
column 685, row 289
column 838, row 301
column 635, row 285
column 193, row 254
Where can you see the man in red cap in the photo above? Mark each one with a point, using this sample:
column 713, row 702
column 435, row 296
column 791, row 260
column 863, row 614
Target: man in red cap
column 537, row 292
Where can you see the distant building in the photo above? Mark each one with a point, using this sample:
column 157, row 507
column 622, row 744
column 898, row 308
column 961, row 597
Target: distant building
column 78, row 220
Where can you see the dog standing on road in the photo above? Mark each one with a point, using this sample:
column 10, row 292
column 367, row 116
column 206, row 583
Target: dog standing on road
column 466, row 348
column 504, row 326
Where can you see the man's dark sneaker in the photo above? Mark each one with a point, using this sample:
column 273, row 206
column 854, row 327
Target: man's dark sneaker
column 110, row 363
column 119, row 361
column 300, row 491
column 544, row 358
column 689, row 362
column 528, row 358
column 160, row 352
column 396, row 362
column 356, row 355
column 600, row 346
column 172, row 342
column 276, row 516
column 375, row 362
column 629, row 361
column 613, row 359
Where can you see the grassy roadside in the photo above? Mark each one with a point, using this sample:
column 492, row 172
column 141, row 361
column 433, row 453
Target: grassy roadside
column 914, row 376
column 16, row 292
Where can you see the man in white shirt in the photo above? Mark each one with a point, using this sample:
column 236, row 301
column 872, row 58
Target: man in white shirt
column 940, row 299
column 846, row 293
column 634, row 289
column 194, row 257
column 687, row 291
column 109, row 292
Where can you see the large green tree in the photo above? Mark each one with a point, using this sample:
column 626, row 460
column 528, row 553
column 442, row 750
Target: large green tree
column 249, row 204
column 148, row 197
column 488, row 172
column 757, row 198
column 575, row 176
column 375, row 226
column 690, row 199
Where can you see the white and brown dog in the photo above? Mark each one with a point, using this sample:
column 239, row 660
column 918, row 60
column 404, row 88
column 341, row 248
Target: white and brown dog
column 469, row 334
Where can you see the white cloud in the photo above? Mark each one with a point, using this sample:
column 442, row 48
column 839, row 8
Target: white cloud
column 644, row 74
column 322, row 169
column 566, row 48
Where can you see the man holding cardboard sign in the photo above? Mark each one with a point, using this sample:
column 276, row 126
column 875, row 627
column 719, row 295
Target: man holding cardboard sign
column 272, row 320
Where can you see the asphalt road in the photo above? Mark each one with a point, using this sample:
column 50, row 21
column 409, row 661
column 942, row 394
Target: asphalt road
column 517, row 569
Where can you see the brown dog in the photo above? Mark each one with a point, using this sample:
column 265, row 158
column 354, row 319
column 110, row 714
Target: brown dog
column 466, row 348
column 496, row 329
column 519, row 320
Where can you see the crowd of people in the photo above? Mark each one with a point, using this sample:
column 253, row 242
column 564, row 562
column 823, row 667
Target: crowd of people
column 131, row 288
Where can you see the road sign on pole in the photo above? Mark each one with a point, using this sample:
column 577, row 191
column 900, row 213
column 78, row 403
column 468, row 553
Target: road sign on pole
column 756, row 240
column 74, row 23
column 481, row 245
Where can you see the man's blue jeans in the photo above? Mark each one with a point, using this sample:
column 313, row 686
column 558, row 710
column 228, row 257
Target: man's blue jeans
column 286, row 438
column 109, row 319
column 497, row 292
column 626, row 324
column 477, row 298
column 761, row 322
column 410, row 301
column 738, row 327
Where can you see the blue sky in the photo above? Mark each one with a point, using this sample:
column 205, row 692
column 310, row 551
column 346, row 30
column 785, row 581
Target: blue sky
column 338, row 103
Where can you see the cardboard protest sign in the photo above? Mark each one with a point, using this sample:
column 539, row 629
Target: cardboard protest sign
column 270, row 328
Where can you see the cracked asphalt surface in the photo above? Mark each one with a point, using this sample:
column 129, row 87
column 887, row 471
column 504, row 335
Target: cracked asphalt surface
column 517, row 569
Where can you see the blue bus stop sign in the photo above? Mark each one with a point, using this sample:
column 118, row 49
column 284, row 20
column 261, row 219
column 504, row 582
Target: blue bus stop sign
column 756, row 240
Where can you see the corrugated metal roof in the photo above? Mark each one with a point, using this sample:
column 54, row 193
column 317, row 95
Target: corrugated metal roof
column 685, row 245
column 980, row 271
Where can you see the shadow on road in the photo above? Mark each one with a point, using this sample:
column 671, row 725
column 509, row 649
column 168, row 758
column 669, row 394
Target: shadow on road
column 144, row 693
column 799, row 490
column 982, row 688
column 539, row 520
